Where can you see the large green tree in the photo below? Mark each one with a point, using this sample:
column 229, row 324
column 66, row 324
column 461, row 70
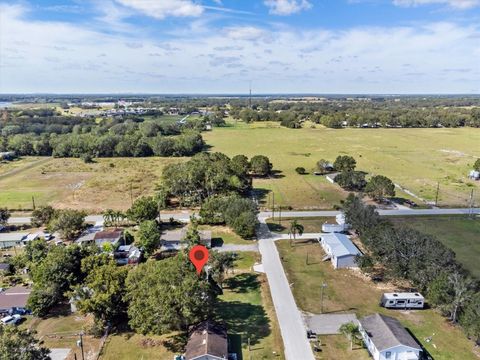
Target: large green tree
column 149, row 236
column 260, row 165
column 20, row 344
column 102, row 292
column 167, row 295
column 142, row 209
column 42, row 215
column 69, row 223
column 379, row 186
column 344, row 163
column 476, row 166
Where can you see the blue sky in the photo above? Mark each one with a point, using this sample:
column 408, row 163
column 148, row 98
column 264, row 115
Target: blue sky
column 219, row 46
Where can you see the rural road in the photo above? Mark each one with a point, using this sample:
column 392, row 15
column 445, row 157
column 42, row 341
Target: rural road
column 289, row 317
column 184, row 216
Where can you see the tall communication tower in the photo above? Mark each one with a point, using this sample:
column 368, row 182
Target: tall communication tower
column 250, row 95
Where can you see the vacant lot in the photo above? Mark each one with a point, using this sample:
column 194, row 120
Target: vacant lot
column 310, row 225
column 349, row 291
column 107, row 183
column 414, row 158
column 457, row 232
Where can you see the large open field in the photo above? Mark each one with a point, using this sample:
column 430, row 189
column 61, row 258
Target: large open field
column 351, row 292
column 460, row 234
column 415, row 158
column 107, row 183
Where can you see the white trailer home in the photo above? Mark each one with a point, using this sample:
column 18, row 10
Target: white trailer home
column 340, row 250
column 386, row 339
column 402, row 301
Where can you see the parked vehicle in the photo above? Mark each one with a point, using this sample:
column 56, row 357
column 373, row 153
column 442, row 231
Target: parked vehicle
column 402, row 301
column 11, row 319
column 48, row 236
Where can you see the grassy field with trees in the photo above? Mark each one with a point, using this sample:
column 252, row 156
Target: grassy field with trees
column 417, row 159
column 459, row 233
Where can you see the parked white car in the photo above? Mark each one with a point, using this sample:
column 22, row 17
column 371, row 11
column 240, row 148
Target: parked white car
column 11, row 319
column 47, row 236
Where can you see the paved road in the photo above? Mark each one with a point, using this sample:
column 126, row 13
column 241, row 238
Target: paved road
column 289, row 317
column 184, row 216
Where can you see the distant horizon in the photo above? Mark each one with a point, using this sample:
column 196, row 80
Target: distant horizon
column 227, row 94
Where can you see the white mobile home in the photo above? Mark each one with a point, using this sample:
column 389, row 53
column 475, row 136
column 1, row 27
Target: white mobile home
column 386, row 339
column 340, row 250
column 402, row 301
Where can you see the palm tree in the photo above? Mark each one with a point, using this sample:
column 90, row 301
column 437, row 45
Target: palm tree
column 108, row 217
column 351, row 331
column 295, row 228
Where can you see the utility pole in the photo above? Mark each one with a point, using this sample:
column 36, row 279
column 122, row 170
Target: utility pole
column 273, row 206
column 80, row 344
column 436, row 196
column 33, row 202
column 250, row 95
column 280, row 215
column 131, row 194
column 324, row 285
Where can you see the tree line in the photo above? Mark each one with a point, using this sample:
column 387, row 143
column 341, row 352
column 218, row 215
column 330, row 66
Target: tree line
column 422, row 259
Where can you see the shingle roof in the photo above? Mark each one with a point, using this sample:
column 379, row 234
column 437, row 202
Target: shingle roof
column 387, row 332
column 112, row 234
column 207, row 338
column 340, row 244
column 14, row 297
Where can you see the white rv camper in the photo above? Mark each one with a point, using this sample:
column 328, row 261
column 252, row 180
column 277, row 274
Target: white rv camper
column 402, row 301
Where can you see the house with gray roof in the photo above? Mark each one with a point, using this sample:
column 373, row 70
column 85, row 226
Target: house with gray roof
column 207, row 341
column 175, row 239
column 340, row 250
column 386, row 339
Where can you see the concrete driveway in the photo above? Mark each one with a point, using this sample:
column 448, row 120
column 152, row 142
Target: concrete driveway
column 328, row 324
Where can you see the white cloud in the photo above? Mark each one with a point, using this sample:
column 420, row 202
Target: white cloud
column 457, row 4
column 162, row 8
column 429, row 58
column 287, row 7
column 244, row 33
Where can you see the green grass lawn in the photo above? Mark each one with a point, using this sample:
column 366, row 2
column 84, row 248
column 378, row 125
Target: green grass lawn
column 459, row 233
column 349, row 291
column 107, row 183
column 310, row 224
column 415, row 158
column 247, row 309
column 224, row 235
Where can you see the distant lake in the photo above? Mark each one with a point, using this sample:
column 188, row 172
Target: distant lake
column 5, row 104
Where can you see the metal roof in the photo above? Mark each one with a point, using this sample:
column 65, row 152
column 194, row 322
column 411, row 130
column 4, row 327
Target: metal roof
column 340, row 244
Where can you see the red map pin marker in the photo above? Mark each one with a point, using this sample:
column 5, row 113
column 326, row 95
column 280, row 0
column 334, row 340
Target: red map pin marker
column 199, row 257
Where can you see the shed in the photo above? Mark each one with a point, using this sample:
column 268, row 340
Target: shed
column 340, row 250
column 386, row 338
column 207, row 341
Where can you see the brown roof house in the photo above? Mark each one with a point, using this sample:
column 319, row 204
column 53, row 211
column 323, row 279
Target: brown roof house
column 112, row 237
column 207, row 341
column 386, row 338
column 15, row 297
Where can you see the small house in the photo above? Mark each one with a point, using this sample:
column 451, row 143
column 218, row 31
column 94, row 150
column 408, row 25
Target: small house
column 174, row 240
column 8, row 240
column 113, row 237
column 207, row 341
column 402, row 301
column 14, row 298
column 340, row 250
column 386, row 339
